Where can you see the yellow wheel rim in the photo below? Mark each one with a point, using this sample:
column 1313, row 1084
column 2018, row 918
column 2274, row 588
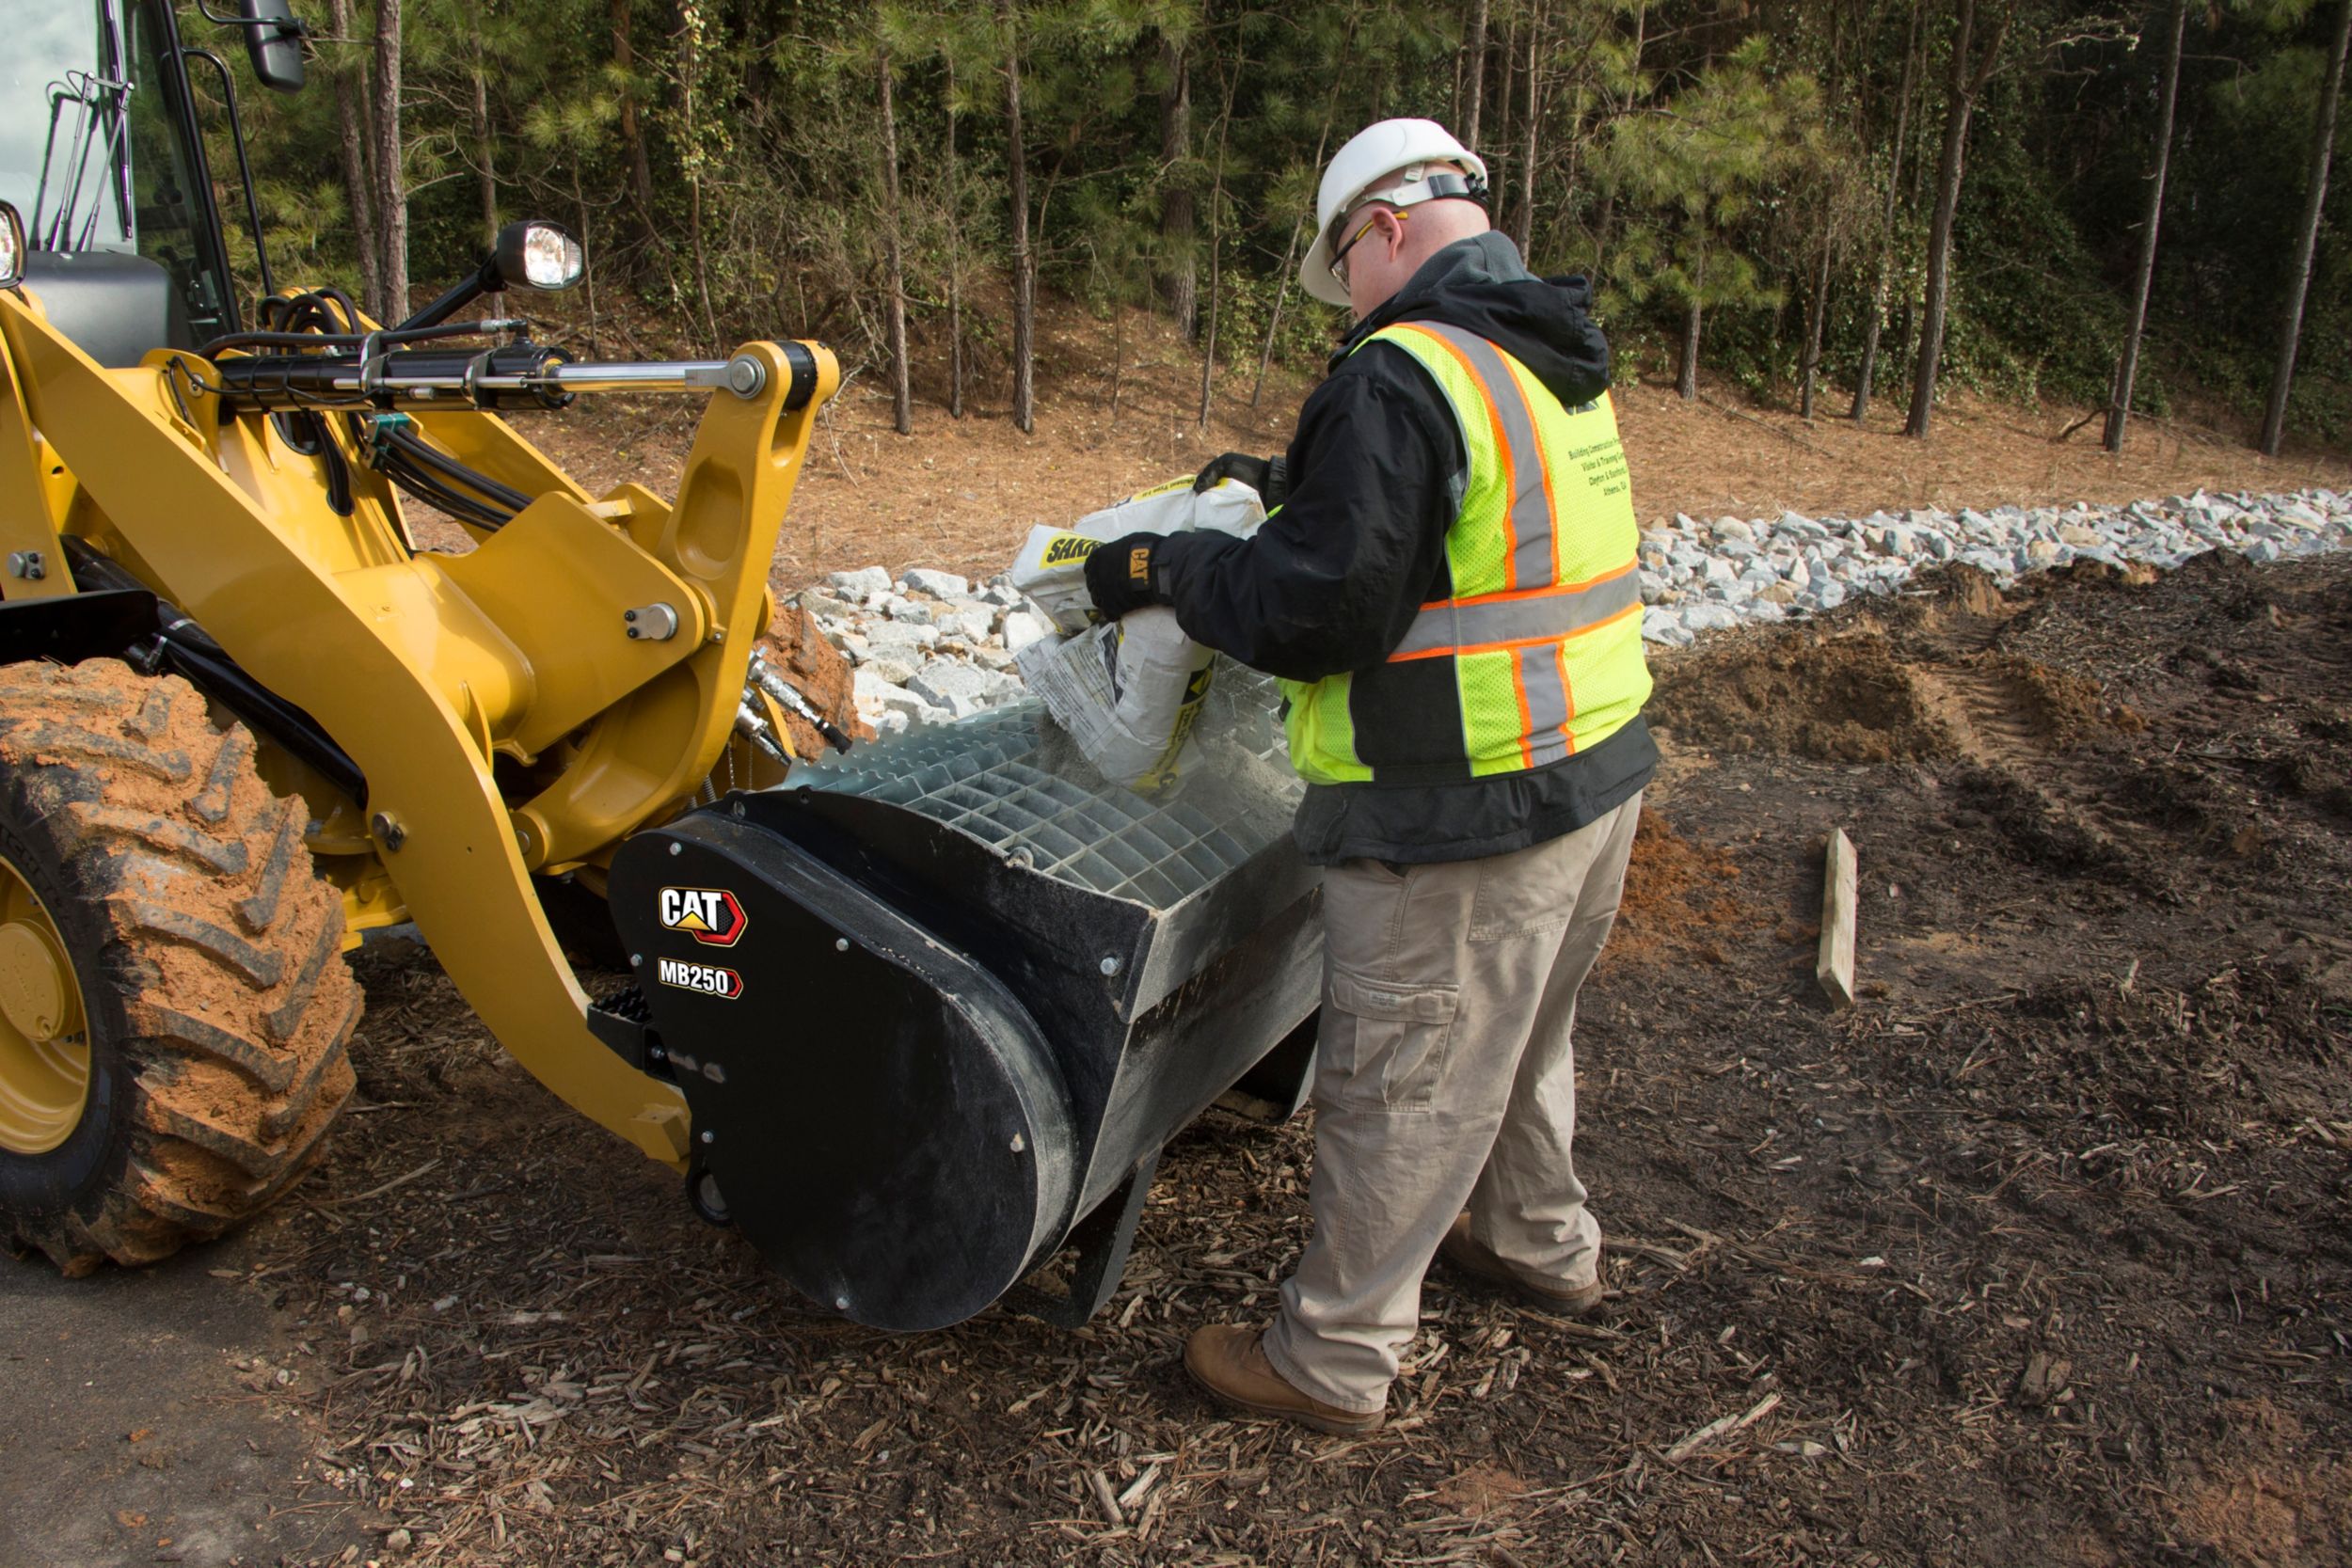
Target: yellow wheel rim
column 44, row 1037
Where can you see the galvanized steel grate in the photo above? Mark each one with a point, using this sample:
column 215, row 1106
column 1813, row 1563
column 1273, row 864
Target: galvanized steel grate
column 987, row 776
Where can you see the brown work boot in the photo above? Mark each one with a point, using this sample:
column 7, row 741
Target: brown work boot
column 1477, row 1261
column 1229, row 1364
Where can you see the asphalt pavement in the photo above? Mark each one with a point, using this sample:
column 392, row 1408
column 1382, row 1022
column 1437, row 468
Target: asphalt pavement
column 137, row 1421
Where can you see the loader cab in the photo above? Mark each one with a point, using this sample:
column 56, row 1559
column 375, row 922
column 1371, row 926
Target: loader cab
column 101, row 155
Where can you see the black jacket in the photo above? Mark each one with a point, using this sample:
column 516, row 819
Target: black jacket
column 1333, row 579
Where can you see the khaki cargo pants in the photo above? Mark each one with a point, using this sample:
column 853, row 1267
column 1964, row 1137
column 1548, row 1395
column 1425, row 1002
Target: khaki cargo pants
column 1444, row 1078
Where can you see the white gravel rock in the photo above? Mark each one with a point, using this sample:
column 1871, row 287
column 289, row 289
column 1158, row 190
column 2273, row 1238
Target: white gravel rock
column 827, row 606
column 963, row 689
column 943, row 585
column 1662, row 625
column 881, row 696
column 968, row 619
column 1023, row 627
column 861, row 584
column 1708, row 617
column 949, row 653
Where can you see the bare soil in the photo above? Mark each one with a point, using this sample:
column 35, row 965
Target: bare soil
column 2036, row 1254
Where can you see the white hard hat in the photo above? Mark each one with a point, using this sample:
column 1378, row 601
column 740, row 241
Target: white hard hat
column 1412, row 151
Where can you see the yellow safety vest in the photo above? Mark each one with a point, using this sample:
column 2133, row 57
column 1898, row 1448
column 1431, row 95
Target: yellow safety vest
column 1536, row 655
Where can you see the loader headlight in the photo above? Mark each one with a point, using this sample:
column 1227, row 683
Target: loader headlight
column 535, row 255
column 12, row 247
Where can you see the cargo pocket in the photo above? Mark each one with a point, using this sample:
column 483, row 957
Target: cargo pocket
column 1385, row 1044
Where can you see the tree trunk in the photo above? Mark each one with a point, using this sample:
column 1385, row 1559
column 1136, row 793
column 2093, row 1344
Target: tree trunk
column 1886, row 224
column 2314, row 200
column 1475, row 72
column 1023, row 265
column 1968, row 80
column 1217, row 271
column 1606, row 224
column 1290, row 258
column 955, row 260
column 391, row 185
column 588, row 246
column 1119, row 350
column 632, row 128
column 1179, row 279
column 895, row 283
column 1816, row 316
column 1523, row 226
column 1499, row 167
column 1687, row 375
column 352, row 117
column 2127, row 368
column 690, row 72
column 486, row 147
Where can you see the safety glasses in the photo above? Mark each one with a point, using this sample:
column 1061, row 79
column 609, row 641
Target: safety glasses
column 1339, row 257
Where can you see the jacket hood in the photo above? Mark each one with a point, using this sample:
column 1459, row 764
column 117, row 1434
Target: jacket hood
column 1481, row 285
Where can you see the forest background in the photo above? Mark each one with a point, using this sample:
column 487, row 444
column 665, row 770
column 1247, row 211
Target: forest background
column 1800, row 197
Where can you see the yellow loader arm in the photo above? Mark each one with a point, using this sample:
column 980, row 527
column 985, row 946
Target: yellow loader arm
column 519, row 708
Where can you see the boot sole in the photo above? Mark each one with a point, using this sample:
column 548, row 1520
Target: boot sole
column 1520, row 1290
column 1284, row 1412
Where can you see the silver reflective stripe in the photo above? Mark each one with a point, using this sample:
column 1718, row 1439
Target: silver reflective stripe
column 1530, row 510
column 1455, row 623
column 1547, row 711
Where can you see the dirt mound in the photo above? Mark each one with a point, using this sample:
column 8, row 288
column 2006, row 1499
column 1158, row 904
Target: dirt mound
column 1860, row 698
column 1923, row 677
column 1842, row 700
column 796, row 650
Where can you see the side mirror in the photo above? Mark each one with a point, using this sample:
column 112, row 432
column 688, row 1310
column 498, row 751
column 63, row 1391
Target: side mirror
column 536, row 255
column 273, row 40
column 12, row 247
column 529, row 255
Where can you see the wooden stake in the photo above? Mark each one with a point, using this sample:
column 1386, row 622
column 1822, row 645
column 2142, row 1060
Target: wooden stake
column 1840, row 883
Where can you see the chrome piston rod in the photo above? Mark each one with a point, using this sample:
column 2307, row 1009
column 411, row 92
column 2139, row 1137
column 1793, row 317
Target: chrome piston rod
column 516, row 375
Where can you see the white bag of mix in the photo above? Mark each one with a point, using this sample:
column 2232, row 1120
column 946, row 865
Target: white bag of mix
column 1052, row 566
column 1128, row 692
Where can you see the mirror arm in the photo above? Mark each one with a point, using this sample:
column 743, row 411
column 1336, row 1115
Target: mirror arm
column 484, row 280
column 284, row 26
column 245, row 164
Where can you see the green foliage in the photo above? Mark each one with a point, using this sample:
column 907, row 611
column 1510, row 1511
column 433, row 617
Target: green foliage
column 1687, row 150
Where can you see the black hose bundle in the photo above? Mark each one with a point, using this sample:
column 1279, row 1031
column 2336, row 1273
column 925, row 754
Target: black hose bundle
column 328, row 320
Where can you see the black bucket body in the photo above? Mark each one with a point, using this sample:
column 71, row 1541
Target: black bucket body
column 934, row 1004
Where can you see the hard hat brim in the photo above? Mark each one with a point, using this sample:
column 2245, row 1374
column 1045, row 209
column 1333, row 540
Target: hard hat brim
column 1314, row 274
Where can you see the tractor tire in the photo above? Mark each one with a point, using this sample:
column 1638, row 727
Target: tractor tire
column 214, row 1009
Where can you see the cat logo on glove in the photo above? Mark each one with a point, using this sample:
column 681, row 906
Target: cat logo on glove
column 706, row 979
column 709, row 915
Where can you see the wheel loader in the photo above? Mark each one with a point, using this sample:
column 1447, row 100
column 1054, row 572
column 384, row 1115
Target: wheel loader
column 916, row 1017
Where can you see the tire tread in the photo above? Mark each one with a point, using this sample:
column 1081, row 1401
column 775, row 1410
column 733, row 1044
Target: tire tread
column 232, row 1003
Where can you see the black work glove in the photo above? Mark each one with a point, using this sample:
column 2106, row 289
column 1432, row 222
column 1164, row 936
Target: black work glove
column 1268, row 476
column 1119, row 575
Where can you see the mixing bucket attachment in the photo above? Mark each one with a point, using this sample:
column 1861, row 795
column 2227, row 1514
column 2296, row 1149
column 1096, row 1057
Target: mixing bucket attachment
column 936, row 1005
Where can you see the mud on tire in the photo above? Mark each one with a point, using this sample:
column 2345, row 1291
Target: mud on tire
column 209, row 957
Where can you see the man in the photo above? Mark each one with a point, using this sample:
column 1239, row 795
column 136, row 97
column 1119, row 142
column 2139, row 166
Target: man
column 1446, row 584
